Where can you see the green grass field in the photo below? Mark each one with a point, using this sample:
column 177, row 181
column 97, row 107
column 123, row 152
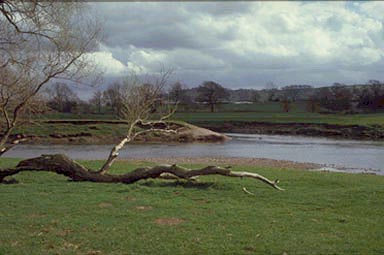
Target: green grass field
column 272, row 112
column 338, row 119
column 97, row 129
column 262, row 112
column 319, row 213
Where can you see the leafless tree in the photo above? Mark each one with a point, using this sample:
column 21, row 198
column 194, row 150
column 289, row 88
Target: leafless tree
column 112, row 97
column 211, row 93
column 178, row 95
column 97, row 101
column 286, row 103
column 40, row 41
column 255, row 96
column 62, row 98
column 271, row 89
column 137, row 99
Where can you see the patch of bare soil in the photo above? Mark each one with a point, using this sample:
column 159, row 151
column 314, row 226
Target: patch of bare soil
column 225, row 161
column 169, row 221
column 143, row 208
column 129, row 198
column 105, row 205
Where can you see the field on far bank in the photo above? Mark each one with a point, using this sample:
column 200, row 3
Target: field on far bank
column 260, row 112
column 272, row 112
column 295, row 117
column 319, row 213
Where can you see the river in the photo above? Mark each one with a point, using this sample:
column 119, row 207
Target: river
column 337, row 155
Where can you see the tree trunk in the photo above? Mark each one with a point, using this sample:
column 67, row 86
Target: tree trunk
column 61, row 164
column 4, row 140
column 212, row 107
column 113, row 155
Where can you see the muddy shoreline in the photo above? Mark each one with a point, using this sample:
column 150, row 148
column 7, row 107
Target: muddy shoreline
column 356, row 132
column 226, row 161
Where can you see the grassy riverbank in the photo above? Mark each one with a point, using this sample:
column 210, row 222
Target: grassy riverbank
column 262, row 112
column 319, row 213
column 88, row 131
column 260, row 118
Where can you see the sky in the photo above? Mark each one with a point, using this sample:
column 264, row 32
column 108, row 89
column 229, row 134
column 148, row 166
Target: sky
column 244, row 44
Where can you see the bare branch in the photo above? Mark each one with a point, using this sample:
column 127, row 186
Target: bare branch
column 153, row 130
column 137, row 103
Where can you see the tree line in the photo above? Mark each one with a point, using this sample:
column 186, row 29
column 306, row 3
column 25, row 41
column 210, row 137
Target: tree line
column 209, row 95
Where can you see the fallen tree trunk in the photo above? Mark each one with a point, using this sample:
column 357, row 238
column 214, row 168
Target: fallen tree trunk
column 61, row 164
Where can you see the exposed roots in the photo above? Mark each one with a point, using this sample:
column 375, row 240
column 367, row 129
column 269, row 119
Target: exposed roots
column 61, row 164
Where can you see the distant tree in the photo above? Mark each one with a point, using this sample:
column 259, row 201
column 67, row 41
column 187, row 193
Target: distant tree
column 336, row 98
column 211, row 93
column 374, row 82
column 286, row 103
column 112, row 97
column 272, row 91
column 342, row 98
column 313, row 104
column 371, row 98
column 62, row 98
column 291, row 92
column 178, row 94
column 96, row 101
column 255, row 97
column 338, row 84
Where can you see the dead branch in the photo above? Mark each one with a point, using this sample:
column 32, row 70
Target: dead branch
column 61, row 164
column 248, row 192
column 138, row 102
column 9, row 146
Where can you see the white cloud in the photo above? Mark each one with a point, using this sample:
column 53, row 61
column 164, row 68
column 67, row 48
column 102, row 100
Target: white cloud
column 234, row 40
column 374, row 9
column 107, row 63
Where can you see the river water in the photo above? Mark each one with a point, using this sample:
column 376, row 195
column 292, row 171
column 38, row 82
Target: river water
column 337, row 155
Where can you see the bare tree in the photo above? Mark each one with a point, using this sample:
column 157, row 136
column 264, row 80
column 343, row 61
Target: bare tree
column 313, row 104
column 40, row 41
column 177, row 92
column 371, row 98
column 286, row 103
column 62, row 98
column 178, row 95
column 271, row 89
column 255, row 96
column 112, row 97
column 211, row 93
column 97, row 101
column 137, row 100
